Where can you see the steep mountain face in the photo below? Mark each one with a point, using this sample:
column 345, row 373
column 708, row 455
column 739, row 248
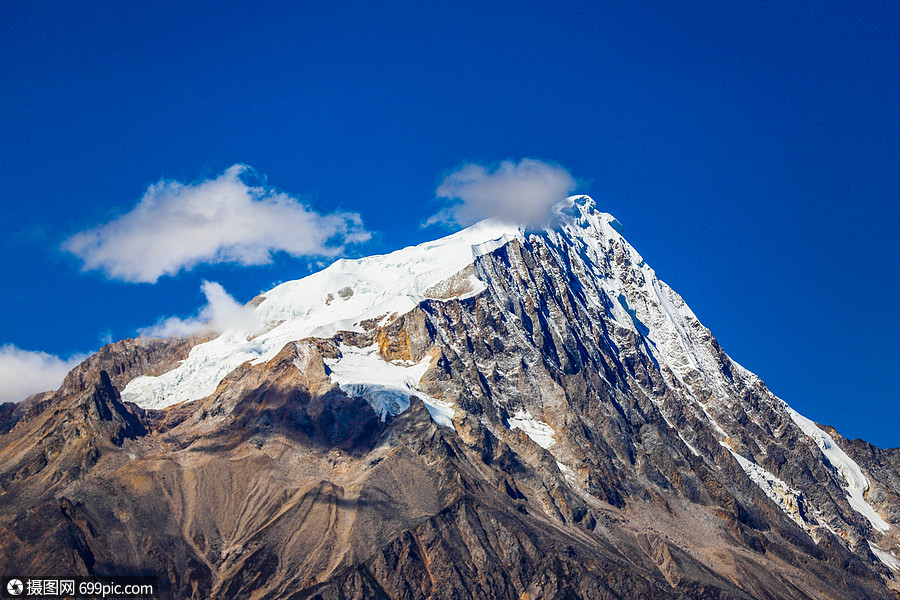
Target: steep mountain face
column 503, row 413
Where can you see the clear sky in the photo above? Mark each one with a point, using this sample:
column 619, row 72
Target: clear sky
column 751, row 151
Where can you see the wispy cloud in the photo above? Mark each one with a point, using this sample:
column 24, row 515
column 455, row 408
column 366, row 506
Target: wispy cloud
column 177, row 226
column 221, row 313
column 25, row 372
column 520, row 192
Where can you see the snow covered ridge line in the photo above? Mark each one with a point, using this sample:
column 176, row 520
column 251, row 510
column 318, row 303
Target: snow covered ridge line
column 857, row 483
column 787, row 498
column 340, row 297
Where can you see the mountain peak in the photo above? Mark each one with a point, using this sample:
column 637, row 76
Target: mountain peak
column 385, row 420
column 571, row 294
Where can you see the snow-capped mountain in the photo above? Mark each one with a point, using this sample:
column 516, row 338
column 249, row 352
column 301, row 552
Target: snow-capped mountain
column 505, row 412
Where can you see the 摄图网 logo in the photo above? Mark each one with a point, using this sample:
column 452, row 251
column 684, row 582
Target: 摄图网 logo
column 14, row 587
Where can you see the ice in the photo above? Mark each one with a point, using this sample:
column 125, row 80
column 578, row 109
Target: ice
column 887, row 558
column 786, row 497
column 539, row 432
column 857, row 483
column 386, row 386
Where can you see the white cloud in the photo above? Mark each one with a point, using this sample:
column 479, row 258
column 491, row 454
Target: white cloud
column 520, row 192
column 177, row 226
column 24, row 372
column 221, row 312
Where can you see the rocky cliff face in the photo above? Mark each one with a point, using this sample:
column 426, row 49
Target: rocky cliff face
column 543, row 419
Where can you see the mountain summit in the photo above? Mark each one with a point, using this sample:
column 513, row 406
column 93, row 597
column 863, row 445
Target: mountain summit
column 505, row 412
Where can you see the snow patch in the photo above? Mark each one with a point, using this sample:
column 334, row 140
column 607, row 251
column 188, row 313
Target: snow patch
column 887, row 558
column 689, row 445
column 539, row 432
column 787, row 498
column 568, row 473
column 386, row 386
column 857, row 483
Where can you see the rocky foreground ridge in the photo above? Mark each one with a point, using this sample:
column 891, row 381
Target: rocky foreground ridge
column 543, row 420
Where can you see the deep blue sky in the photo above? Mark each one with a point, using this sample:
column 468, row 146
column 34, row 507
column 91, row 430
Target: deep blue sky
column 751, row 150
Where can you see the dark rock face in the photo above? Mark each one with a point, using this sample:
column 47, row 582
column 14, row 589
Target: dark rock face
column 664, row 470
